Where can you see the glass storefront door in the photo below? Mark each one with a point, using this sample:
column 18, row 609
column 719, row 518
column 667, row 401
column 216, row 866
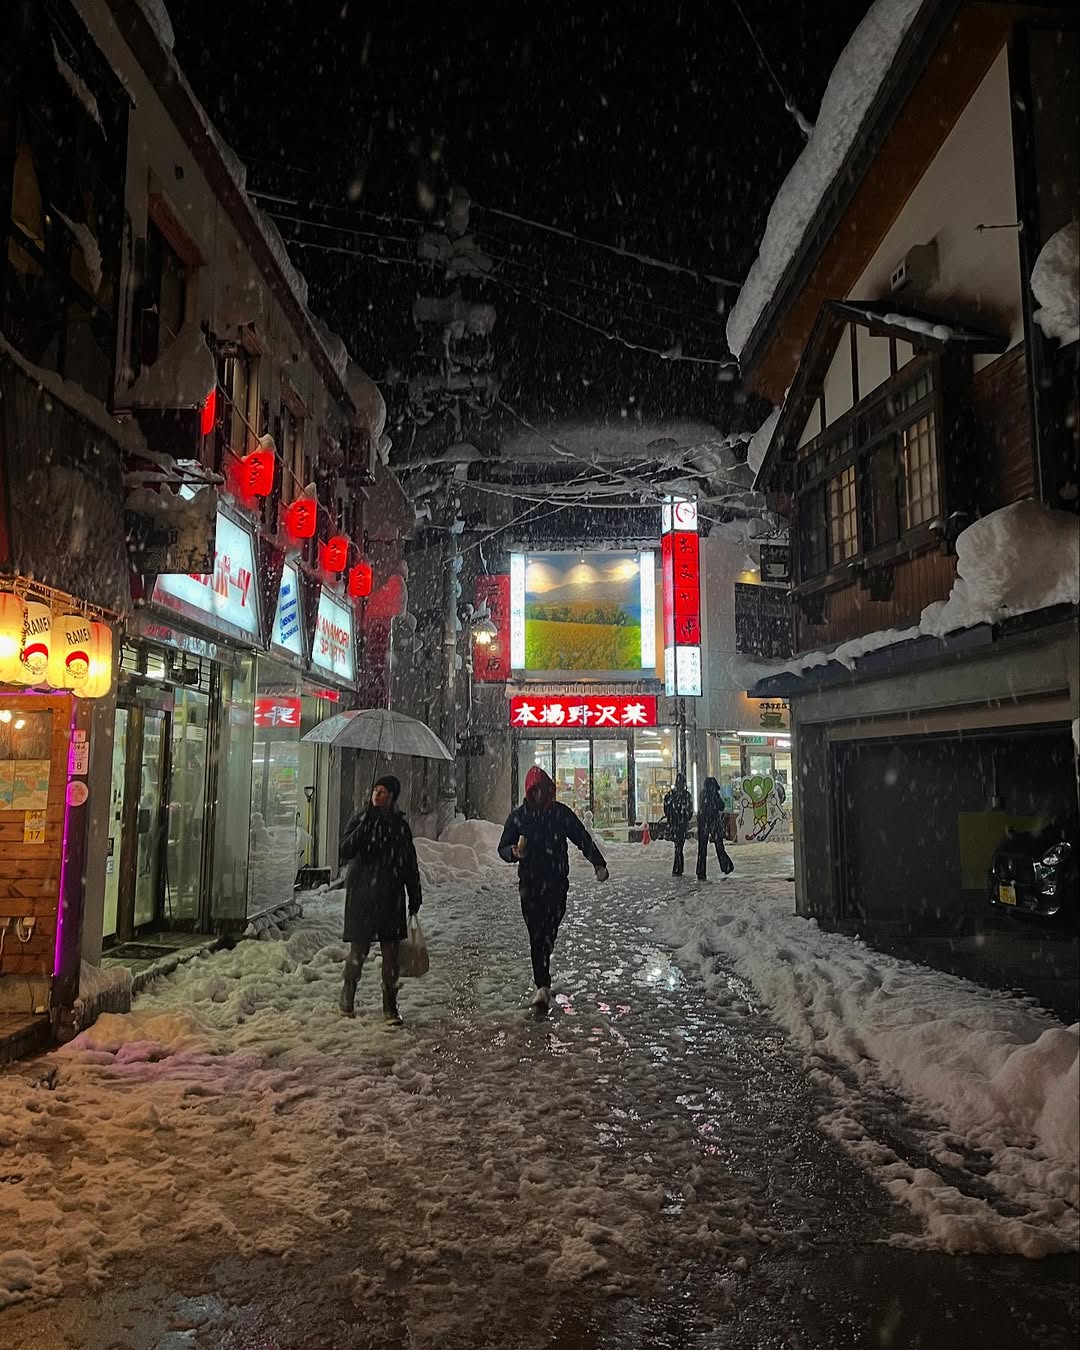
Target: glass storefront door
column 572, row 774
column 148, row 816
column 116, row 823
column 538, row 753
column 187, row 807
column 278, row 801
column 654, row 761
column 610, row 788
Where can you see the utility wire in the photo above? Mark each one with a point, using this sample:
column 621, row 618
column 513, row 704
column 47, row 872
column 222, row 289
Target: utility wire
column 804, row 125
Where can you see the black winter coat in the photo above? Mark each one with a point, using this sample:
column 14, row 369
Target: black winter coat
column 710, row 821
column 545, row 868
column 378, row 846
column 678, row 808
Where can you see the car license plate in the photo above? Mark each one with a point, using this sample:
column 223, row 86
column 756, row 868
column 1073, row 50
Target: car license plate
column 1007, row 894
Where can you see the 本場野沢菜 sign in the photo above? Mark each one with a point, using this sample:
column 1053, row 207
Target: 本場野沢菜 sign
column 595, row 711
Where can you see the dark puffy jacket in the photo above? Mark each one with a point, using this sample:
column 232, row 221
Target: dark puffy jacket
column 378, row 846
column 711, row 812
column 678, row 808
column 546, row 864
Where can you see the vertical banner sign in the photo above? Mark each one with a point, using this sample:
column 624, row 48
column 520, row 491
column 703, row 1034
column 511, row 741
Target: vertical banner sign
column 680, row 561
column 491, row 660
column 517, row 611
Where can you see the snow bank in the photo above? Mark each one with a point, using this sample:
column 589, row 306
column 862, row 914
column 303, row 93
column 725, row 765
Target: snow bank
column 101, row 991
column 853, row 86
column 1000, row 1076
column 181, row 377
column 465, row 848
column 1055, row 283
column 1018, row 560
column 481, row 835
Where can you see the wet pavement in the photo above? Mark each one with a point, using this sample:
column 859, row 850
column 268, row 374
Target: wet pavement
column 641, row 1169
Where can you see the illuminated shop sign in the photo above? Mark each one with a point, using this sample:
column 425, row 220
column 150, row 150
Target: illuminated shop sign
column 583, row 612
column 225, row 599
column 491, row 654
column 277, row 710
column 288, row 628
column 680, row 561
column 575, row 710
column 334, row 649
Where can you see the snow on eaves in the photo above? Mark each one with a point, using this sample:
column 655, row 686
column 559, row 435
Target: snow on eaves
column 853, row 86
column 1017, row 560
column 88, row 246
column 78, row 87
column 1055, row 283
column 74, row 396
column 761, row 440
column 181, row 377
column 158, row 18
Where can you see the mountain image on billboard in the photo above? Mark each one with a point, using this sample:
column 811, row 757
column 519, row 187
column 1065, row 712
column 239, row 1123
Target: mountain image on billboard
column 582, row 613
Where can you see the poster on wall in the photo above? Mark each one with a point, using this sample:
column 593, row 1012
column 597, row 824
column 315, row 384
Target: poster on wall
column 334, row 647
column 288, row 628
column 30, row 788
column 762, row 620
column 591, row 611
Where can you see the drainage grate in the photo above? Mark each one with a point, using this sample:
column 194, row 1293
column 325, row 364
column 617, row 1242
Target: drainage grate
column 141, row 951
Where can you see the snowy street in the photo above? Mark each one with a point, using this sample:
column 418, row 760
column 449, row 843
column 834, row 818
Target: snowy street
column 661, row 1162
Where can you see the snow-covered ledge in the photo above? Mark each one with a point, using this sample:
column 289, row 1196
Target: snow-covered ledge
column 1055, row 284
column 1018, row 560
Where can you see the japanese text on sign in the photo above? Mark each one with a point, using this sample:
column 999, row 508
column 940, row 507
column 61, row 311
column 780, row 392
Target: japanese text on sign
column 282, row 710
column 599, row 710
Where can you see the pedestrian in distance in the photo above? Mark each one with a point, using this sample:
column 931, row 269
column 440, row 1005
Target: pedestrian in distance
column 678, row 809
column 378, row 846
column 710, row 829
column 534, row 838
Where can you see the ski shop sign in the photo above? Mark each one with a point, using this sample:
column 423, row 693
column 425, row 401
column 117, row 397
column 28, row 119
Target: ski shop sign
column 288, row 628
column 277, row 710
column 594, row 711
column 335, row 644
column 225, row 599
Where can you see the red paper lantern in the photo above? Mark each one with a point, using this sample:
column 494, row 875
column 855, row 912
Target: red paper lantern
column 301, row 517
column 361, row 579
column 209, row 413
column 334, row 554
column 256, row 474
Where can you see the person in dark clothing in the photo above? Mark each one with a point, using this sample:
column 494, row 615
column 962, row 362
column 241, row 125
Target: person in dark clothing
column 678, row 808
column 710, row 828
column 378, row 846
column 534, row 837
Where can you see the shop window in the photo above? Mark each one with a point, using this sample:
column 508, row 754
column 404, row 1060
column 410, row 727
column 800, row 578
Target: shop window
column 813, row 533
column 163, row 302
column 654, row 774
column 919, row 459
column 232, row 821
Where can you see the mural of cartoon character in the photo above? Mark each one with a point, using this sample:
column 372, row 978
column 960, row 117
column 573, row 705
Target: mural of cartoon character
column 761, row 810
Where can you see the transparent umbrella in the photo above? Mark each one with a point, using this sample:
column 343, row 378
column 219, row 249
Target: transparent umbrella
column 379, row 729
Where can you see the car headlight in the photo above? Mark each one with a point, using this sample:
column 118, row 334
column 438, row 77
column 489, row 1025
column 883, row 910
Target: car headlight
column 1057, row 855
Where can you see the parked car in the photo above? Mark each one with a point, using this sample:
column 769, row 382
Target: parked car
column 1037, row 875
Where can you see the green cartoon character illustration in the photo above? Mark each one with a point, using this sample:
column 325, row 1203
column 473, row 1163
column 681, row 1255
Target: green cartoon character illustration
column 758, row 790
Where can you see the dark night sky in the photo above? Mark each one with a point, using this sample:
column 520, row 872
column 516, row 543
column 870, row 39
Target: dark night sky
column 647, row 125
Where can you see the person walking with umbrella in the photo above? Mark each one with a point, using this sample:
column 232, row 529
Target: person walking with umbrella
column 378, row 846
column 534, row 837
column 678, row 808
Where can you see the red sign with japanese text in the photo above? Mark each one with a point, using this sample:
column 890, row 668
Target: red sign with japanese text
column 491, row 660
column 578, row 710
column 277, row 710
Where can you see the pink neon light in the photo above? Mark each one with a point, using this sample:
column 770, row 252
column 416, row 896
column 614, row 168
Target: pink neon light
column 63, row 862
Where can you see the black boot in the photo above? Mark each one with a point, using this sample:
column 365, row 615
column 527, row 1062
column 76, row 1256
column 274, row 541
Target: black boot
column 347, row 997
column 390, row 1013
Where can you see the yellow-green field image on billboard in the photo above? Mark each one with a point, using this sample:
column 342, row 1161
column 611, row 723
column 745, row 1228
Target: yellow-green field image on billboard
column 582, row 612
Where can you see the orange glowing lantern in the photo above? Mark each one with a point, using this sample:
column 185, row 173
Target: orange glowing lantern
column 12, row 618
column 301, row 517
column 35, row 644
column 334, row 554
column 360, row 580
column 100, row 678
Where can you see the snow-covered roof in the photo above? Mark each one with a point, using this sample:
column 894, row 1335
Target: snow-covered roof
column 853, row 87
column 1055, row 279
column 1017, row 560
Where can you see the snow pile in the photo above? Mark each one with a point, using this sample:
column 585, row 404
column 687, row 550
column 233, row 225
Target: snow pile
column 481, row 835
column 761, row 440
column 1055, row 283
column 465, row 847
column 1003, row 1077
column 181, row 377
column 853, row 86
column 101, row 991
column 367, row 399
column 88, row 246
column 1022, row 558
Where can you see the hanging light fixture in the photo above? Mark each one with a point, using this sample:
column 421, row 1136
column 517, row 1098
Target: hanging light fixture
column 35, row 643
column 302, row 515
column 12, row 619
column 99, row 681
column 71, row 654
column 334, row 554
column 361, row 579
column 208, row 415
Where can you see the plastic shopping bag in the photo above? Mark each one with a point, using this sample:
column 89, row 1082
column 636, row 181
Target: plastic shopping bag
column 413, row 956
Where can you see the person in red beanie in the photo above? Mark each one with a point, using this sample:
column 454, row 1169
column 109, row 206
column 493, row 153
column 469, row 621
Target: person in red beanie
column 534, row 837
